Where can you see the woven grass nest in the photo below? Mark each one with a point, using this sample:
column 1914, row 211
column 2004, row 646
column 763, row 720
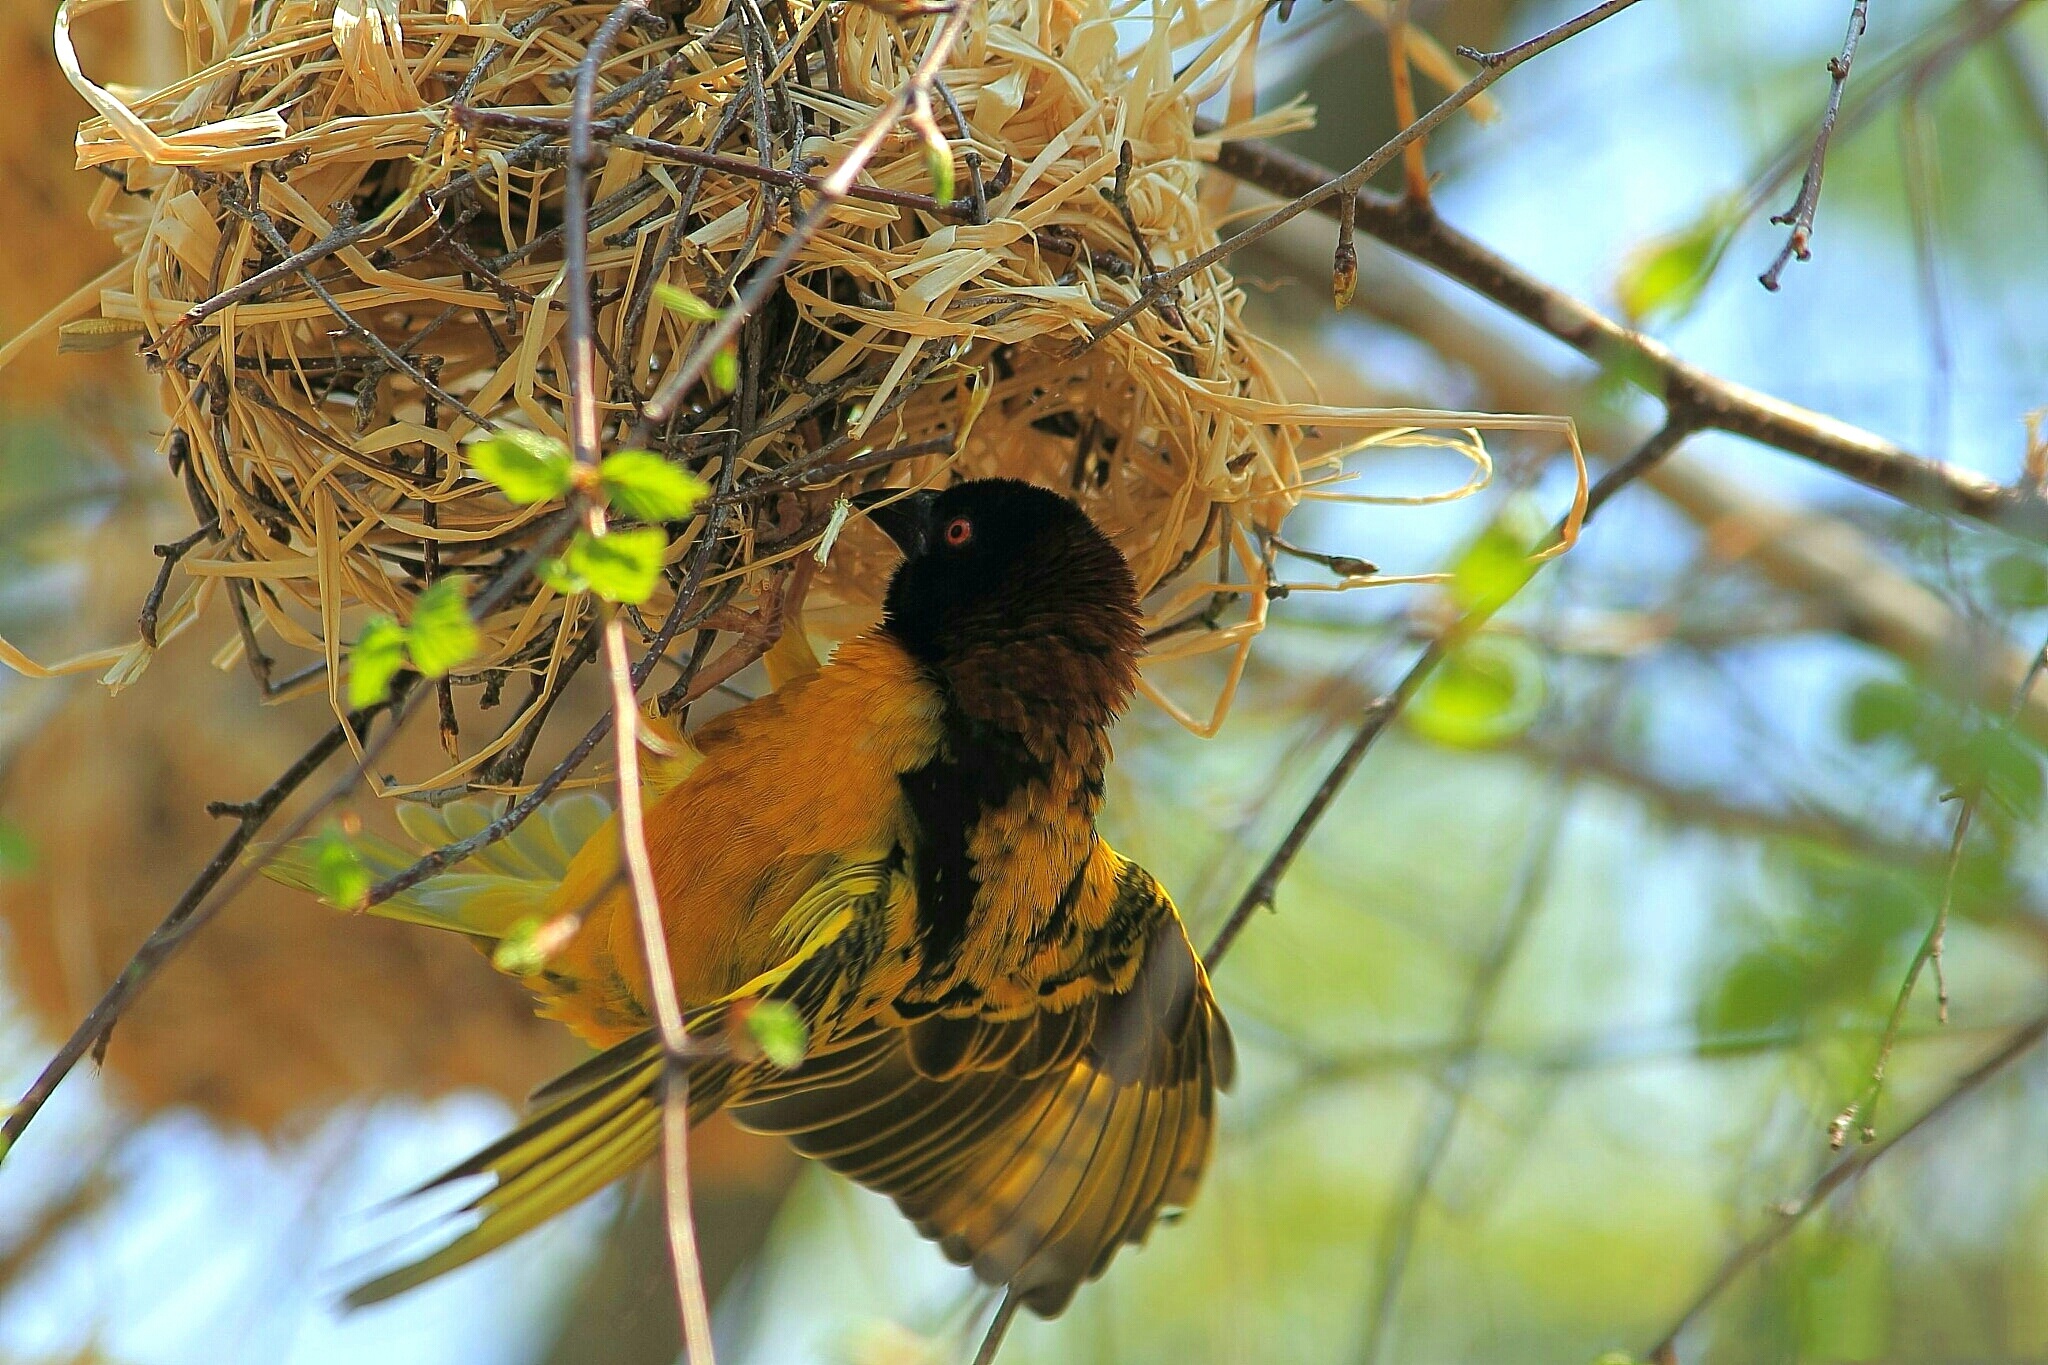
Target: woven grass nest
column 326, row 407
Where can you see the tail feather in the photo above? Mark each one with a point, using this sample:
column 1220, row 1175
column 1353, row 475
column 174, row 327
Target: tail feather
column 602, row 1121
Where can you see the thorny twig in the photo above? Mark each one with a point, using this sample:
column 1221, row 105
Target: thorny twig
column 1800, row 216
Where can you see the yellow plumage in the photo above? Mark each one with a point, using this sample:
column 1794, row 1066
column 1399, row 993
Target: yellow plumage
column 1008, row 1031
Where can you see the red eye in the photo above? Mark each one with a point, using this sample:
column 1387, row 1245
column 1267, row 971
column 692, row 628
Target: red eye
column 959, row 531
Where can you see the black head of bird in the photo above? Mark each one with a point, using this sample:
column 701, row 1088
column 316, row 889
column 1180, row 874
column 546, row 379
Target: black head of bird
column 1007, row 587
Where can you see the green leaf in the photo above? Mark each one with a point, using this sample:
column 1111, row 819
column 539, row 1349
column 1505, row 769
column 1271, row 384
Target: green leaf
column 525, row 466
column 779, row 1031
column 725, row 370
column 938, row 164
column 682, row 302
column 621, row 567
column 2018, row 581
column 377, row 658
column 339, row 874
column 442, row 635
column 648, row 488
column 1882, row 709
column 1846, row 1301
column 1759, row 993
column 1483, row 695
column 2004, row 766
column 1664, row 277
column 557, row 575
column 1496, row 564
column 519, row 952
column 17, row 852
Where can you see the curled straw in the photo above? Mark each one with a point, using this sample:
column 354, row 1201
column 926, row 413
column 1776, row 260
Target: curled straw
column 346, row 257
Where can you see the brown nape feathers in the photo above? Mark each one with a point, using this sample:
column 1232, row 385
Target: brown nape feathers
column 1008, row 1031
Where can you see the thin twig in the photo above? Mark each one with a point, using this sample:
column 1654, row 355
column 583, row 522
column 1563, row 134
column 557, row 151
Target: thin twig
column 1862, row 1114
column 814, row 476
column 217, row 884
column 251, row 211
column 831, row 191
column 1800, row 216
column 684, row 154
column 583, row 433
column 1788, row 1216
column 1266, row 884
column 668, row 1014
column 345, row 233
column 998, row 1328
column 2029, row 90
column 1492, row 66
column 221, row 879
column 145, row 621
column 1454, row 1086
column 1119, row 194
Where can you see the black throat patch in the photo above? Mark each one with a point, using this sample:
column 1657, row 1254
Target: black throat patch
column 978, row 768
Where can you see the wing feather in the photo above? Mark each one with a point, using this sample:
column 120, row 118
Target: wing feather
column 600, row 1120
column 1030, row 1149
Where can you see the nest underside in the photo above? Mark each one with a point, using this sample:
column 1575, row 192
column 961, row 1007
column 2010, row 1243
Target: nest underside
column 351, row 260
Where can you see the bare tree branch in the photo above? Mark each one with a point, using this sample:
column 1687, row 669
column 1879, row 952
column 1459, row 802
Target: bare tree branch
column 217, row 883
column 1717, row 403
column 1397, row 1240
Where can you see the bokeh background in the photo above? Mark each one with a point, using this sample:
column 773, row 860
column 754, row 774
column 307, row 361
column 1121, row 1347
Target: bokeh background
column 1555, row 1011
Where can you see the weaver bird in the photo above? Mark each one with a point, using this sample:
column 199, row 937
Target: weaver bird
column 1008, row 1031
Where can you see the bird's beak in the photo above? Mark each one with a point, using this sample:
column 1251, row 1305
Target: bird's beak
column 907, row 521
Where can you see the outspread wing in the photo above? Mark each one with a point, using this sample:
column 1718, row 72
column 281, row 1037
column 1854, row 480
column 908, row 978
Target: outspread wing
column 602, row 1119
column 1029, row 1149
